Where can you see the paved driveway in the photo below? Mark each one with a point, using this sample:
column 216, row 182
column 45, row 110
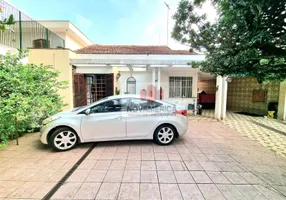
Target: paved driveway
column 211, row 162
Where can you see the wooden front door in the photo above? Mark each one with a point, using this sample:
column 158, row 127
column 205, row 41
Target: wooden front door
column 79, row 90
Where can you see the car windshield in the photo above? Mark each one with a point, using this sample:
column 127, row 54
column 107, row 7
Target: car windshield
column 81, row 107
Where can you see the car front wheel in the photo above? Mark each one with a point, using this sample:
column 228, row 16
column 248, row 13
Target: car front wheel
column 164, row 134
column 63, row 139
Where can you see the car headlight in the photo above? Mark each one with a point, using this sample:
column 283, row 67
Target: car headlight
column 50, row 119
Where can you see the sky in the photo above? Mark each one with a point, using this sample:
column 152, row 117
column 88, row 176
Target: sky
column 122, row 22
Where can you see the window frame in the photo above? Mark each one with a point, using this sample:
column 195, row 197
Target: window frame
column 130, row 82
column 180, row 86
column 120, row 99
column 158, row 104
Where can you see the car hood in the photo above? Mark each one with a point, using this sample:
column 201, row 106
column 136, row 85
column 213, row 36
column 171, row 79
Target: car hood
column 65, row 113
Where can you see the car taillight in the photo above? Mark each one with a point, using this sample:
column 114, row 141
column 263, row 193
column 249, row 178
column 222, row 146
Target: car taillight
column 182, row 112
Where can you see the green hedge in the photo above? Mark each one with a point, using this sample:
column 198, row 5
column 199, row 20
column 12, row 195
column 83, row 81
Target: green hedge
column 28, row 94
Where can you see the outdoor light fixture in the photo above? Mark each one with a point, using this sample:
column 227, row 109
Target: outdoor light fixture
column 118, row 75
column 229, row 79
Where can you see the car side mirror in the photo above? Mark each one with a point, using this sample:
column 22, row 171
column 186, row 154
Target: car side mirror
column 87, row 111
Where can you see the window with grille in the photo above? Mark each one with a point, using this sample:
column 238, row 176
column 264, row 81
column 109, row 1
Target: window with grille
column 41, row 43
column 131, row 85
column 180, row 87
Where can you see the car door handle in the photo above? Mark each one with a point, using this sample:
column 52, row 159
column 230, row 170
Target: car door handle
column 119, row 118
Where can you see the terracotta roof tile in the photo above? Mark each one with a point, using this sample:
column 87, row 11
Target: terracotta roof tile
column 130, row 49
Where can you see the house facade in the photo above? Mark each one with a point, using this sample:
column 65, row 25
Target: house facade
column 154, row 71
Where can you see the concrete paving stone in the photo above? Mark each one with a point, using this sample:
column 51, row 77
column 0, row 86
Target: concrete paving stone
column 107, row 156
column 209, row 166
column 190, row 192
column 10, row 174
column 117, row 165
column 148, row 156
column 67, row 191
column 178, row 165
column 58, row 175
column 250, row 192
column 26, row 176
column 133, row 165
column 218, row 177
column 200, row 157
column 200, row 177
column 134, row 156
column 281, row 189
column 149, row 177
column 114, row 176
column 42, row 191
column 129, row 191
column 170, row 149
column 87, row 191
column 211, row 192
column 170, row 192
column 102, row 165
column 183, row 177
column 7, row 187
column 147, row 148
column 131, row 176
column 121, row 156
column 166, row 177
column 234, row 178
column 269, row 192
column 79, row 175
column 174, row 156
column 26, row 190
column 230, row 192
column 87, row 164
column 193, row 165
column 251, row 178
column 108, row 191
column 161, row 156
column 187, row 157
column 149, row 191
column 163, row 165
column 148, row 165
column 96, row 176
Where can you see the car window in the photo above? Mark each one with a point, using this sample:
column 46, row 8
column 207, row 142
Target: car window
column 114, row 105
column 142, row 104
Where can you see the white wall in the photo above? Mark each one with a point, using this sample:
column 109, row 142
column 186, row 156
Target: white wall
column 72, row 44
column 4, row 49
column 94, row 70
column 144, row 79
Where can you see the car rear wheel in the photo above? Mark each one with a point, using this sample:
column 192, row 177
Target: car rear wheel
column 164, row 134
column 63, row 139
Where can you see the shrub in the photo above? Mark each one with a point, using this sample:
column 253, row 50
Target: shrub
column 28, row 94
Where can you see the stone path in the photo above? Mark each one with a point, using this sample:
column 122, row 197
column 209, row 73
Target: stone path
column 267, row 132
column 211, row 162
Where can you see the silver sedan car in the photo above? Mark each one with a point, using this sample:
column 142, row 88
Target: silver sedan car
column 122, row 117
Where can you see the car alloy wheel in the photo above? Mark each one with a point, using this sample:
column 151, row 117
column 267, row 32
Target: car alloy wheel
column 164, row 134
column 64, row 139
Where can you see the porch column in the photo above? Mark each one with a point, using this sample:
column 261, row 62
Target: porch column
column 224, row 96
column 158, row 83
column 282, row 101
column 153, row 83
column 218, row 97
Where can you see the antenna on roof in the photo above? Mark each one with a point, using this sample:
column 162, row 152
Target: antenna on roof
column 168, row 7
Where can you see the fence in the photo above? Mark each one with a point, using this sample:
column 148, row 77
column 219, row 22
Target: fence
column 26, row 33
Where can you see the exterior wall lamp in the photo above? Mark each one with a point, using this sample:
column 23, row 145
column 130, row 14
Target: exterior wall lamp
column 118, row 75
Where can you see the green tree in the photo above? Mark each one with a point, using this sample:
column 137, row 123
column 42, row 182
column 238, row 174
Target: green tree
column 248, row 37
column 5, row 23
column 28, row 94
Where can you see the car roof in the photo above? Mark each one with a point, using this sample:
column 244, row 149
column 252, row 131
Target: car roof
column 124, row 96
column 135, row 96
